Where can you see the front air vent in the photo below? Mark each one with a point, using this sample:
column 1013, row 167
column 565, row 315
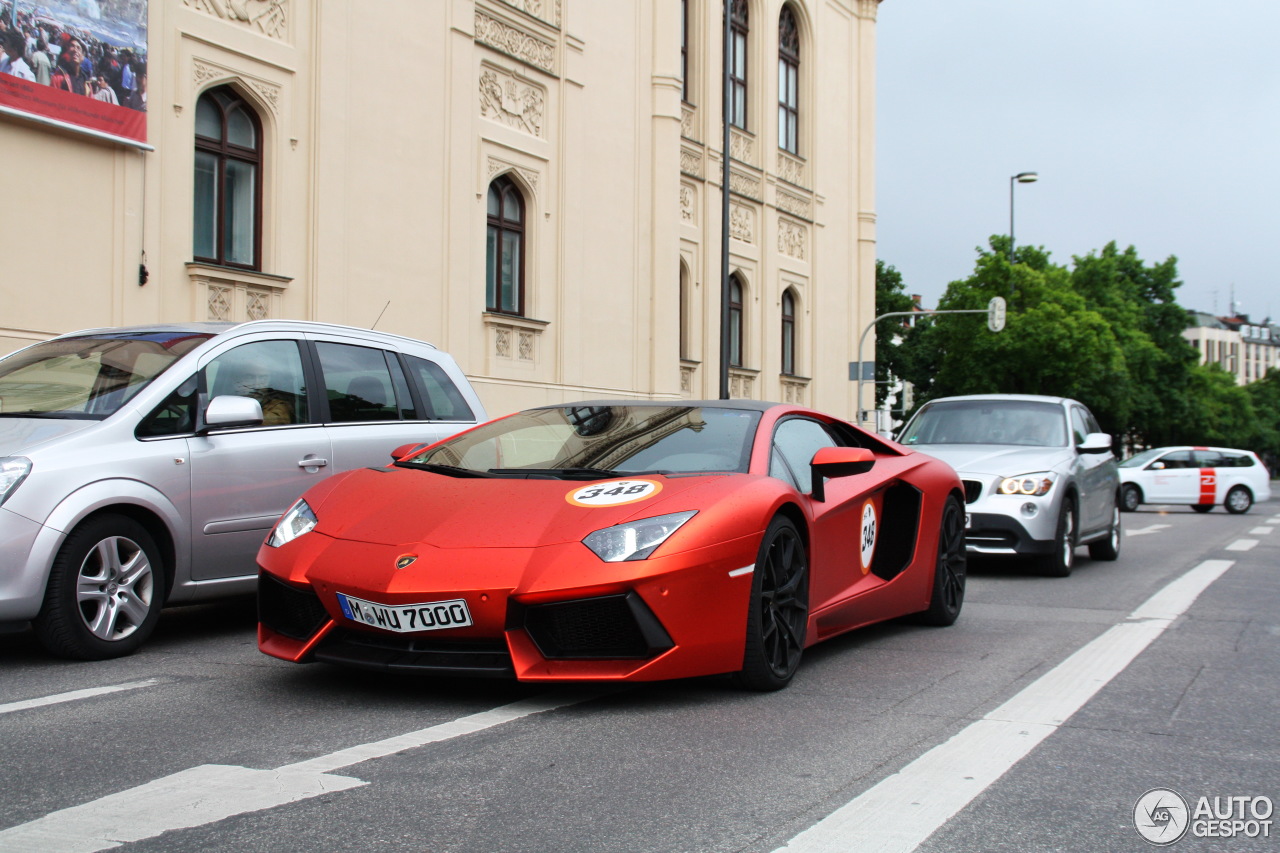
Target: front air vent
column 287, row 610
column 612, row 627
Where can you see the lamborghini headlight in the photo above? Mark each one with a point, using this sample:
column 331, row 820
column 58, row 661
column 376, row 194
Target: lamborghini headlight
column 635, row 540
column 1034, row 485
column 298, row 520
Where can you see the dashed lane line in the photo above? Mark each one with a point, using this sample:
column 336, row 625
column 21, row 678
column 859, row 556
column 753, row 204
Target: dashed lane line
column 930, row 790
column 1242, row 545
column 74, row 695
column 214, row 792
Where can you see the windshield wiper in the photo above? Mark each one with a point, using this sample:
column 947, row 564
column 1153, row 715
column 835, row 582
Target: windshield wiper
column 446, row 470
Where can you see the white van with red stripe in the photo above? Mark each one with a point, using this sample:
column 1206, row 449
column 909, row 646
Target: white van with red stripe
column 1201, row 477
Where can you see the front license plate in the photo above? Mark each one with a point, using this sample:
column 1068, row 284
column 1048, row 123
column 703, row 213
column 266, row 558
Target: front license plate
column 428, row 616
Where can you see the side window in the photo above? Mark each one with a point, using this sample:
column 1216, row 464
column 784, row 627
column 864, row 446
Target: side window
column 795, row 441
column 1078, row 426
column 443, row 399
column 269, row 372
column 358, row 383
column 1177, row 459
column 1211, row 459
column 175, row 416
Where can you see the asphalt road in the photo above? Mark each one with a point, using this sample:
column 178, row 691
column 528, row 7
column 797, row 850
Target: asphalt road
column 1037, row 722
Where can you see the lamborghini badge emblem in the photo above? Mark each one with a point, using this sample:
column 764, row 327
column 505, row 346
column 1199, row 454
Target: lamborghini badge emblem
column 405, row 560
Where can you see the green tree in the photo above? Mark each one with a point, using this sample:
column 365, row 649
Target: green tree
column 890, row 298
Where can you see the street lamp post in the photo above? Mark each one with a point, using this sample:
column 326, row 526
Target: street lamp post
column 1020, row 178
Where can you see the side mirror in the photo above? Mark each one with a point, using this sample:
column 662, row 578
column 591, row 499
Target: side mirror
column 1095, row 442
column 231, row 411
column 1156, row 466
column 405, row 449
column 831, row 462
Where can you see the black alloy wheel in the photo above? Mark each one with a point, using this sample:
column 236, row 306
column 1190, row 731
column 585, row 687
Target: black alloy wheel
column 1108, row 548
column 779, row 614
column 1062, row 559
column 950, row 569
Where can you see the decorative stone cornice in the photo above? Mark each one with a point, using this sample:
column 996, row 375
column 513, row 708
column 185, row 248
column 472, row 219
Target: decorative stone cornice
column 203, row 73
column 515, row 42
column 547, row 11
column 269, row 17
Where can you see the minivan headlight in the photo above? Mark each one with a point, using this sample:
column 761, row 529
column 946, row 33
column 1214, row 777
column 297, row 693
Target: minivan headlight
column 635, row 540
column 1034, row 485
column 13, row 470
column 298, row 520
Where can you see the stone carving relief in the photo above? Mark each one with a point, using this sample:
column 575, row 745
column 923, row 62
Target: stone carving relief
column 868, row 9
column 543, row 10
column 686, row 123
column 269, row 17
column 691, row 162
column 219, row 302
column 790, row 169
column 507, row 99
column 792, row 238
column 515, row 42
column 742, row 221
column 795, row 205
column 742, row 147
column 688, row 203
column 744, row 185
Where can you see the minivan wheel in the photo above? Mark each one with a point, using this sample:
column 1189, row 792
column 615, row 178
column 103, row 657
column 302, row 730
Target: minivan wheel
column 104, row 593
column 1239, row 500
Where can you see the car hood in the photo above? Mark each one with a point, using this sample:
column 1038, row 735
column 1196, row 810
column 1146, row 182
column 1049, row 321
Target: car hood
column 19, row 436
column 401, row 506
column 999, row 460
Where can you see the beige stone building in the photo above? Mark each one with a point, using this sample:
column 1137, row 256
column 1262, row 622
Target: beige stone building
column 533, row 185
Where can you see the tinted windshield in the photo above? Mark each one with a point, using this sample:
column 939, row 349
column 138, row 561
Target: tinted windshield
column 603, row 439
column 90, row 377
column 1017, row 422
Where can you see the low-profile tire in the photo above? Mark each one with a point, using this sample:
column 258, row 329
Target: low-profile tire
column 1202, row 507
column 779, row 614
column 105, row 591
column 1108, row 548
column 1062, row 559
column 950, row 568
column 1130, row 497
column 1239, row 500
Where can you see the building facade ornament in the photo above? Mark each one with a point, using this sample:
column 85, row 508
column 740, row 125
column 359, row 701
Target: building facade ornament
column 269, row 17
column 742, row 223
column 515, row 42
column 691, row 162
column 793, row 238
column 205, row 73
column 547, row 11
column 795, row 205
column 688, row 203
column 505, row 98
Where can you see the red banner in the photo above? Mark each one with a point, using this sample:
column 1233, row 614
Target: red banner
column 79, row 110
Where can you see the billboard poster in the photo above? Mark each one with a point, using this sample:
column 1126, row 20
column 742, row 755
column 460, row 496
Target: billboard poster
column 76, row 63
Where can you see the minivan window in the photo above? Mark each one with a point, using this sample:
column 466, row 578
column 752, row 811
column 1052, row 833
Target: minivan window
column 269, row 372
column 444, row 400
column 86, row 377
column 358, row 383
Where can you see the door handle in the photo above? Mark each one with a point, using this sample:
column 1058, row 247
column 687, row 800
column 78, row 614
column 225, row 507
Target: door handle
column 313, row 463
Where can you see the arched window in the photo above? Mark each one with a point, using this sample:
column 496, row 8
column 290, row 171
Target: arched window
column 504, row 272
column 788, row 82
column 788, row 333
column 735, row 321
column 228, row 181
column 738, row 64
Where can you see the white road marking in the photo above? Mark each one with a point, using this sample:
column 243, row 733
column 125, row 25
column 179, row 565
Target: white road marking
column 213, row 792
column 1143, row 531
column 1242, row 545
column 930, row 790
column 1261, row 531
column 74, row 695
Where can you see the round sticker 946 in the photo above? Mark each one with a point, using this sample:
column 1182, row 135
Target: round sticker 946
column 868, row 535
column 614, row 493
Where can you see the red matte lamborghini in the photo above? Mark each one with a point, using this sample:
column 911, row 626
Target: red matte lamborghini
column 616, row 541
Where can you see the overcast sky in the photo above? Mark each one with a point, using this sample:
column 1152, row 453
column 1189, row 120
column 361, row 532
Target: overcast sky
column 1153, row 123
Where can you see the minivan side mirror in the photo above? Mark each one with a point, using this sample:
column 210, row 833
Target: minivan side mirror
column 1095, row 442
column 231, row 411
column 838, row 462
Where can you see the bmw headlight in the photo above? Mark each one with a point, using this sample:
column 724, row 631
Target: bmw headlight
column 1034, row 485
column 635, row 540
column 298, row 520
column 13, row 470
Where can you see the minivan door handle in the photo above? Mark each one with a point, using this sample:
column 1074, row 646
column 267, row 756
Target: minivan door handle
column 312, row 462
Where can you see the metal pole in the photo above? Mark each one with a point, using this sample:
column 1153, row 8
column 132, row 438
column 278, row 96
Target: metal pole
column 1011, row 183
column 724, row 209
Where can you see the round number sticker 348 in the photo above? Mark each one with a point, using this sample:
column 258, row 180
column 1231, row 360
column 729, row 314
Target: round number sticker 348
column 614, row 493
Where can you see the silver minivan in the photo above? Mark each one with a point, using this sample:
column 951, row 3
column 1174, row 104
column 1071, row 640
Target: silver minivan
column 142, row 466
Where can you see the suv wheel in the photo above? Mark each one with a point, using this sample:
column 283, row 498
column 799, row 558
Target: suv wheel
column 1062, row 559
